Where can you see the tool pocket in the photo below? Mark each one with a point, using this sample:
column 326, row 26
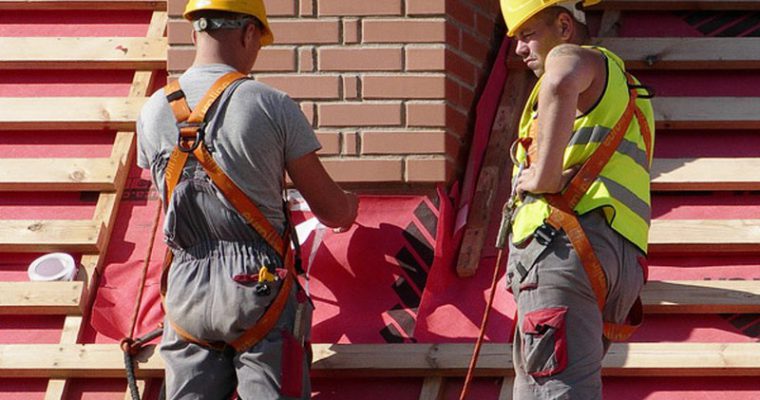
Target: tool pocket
column 544, row 342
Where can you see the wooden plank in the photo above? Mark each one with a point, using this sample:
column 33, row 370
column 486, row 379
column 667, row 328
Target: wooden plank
column 39, row 236
column 686, row 53
column 706, row 112
column 680, row 174
column 62, row 174
column 432, row 388
column 704, row 236
column 505, row 392
column 138, row 53
column 46, row 298
column 82, row 5
column 701, row 297
column 706, row 53
column 662, row 5
column 65, row 113
column 397, row 360
column 495, row 162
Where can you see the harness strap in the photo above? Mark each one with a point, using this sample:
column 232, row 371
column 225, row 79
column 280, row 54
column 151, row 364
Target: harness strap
column 191, row 140
column 563, row 216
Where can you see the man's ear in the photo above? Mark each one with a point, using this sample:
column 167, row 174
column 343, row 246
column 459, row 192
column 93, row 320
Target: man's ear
column 565, row 25
column 249, row 33
column 194, row 37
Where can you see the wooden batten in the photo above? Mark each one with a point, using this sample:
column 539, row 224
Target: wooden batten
column 39, row 236
column 83, row 53
column 706, row 112
column 66, row 113
column 397, row 360
column 82, row 5
column 685, row 174
column 704, row 236
column 63, row 174
column 685, row 53
column 46, row 298
column 701, row 297
column 663, row 5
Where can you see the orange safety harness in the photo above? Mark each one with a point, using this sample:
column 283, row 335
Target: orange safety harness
column 562, row 205
column 191, row 141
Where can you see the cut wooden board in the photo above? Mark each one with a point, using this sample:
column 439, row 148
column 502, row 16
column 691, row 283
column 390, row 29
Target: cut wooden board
column 62, row 113
column 706, row 112
column 396, row 360
column 48, row 298
column 680, row 174
column 82, row 5
column 661, row 5
column 75, row 174
column 701, row 297
column 83, row 53
column 686, row 53
column 704, row 236
column 41, row 236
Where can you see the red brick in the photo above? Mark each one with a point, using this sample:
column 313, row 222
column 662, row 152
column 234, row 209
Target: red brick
column 350, row 143
column 364, row 170
column 428, row 169
column 425, row 7
column 179, row 58
column 404, row 30
column 358, row 7
column 405, row 86
column 305, row 31
column 486, row 24
column 179, row 31
column 351, row 31
column 306, row 8
column 461, row 68
column 403, row 142
column 475, row 47
column 330, row 141
column 427, row 58
column 350, row 87
column 280, row 8
column 461, row 12
column 175, row 8
column 306, row 59
column 359, row 114
column 356, row 58
column 276, row 59
column 308, row 109
column 427, row 114
column 453, row 36
column 304, row 86
column 456, row 122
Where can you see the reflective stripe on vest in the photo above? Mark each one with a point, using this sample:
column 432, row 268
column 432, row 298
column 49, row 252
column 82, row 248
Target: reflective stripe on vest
column 622, row 188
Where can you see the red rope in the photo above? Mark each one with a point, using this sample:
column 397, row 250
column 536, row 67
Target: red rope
column 483, row 324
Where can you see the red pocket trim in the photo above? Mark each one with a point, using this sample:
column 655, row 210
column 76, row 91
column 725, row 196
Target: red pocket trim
column 555, row 318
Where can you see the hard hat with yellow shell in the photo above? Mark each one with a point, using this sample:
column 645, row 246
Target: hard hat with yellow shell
column 516, row 12
column 253, row 8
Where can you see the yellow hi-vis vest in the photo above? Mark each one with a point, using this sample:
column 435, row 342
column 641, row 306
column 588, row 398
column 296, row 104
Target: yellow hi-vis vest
column 622, row 188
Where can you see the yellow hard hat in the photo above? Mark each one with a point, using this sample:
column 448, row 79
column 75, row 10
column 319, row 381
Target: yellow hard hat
column 516, row 12
column 249, row 7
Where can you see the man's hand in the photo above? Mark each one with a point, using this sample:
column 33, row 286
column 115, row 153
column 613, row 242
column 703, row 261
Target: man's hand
column 528, row 182
column 353, row 204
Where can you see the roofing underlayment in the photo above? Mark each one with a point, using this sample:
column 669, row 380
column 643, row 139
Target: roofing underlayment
column 68, row 183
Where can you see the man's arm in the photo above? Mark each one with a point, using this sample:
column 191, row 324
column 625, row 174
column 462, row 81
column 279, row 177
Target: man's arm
column 329, row 203
column 570, row 72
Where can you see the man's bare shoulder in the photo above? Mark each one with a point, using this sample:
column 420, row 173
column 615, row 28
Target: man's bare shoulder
column 574, row 51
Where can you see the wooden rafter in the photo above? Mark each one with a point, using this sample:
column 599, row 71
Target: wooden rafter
column 63, row 174
column 83, row 53
column 62, row 113
column 704, row 236
column 681, row 174
column 701, row 297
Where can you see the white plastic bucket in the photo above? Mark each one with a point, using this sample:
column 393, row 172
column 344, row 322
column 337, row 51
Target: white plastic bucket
column 52, row 267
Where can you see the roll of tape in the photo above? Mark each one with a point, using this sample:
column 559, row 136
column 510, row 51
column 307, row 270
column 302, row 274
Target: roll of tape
column 52, row 267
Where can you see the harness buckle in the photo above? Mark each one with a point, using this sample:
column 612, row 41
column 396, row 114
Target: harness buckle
column 200, row 134
column 545, row 234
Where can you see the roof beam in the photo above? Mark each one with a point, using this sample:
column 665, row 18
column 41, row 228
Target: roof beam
column 58, row 174
column 46, row 298
column 681, row 174
column 41, row 236
column 701, row 297
column 67, row 113
column 704, row 236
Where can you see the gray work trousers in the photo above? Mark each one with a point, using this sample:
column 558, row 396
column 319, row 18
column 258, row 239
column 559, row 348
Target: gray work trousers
column 211, row 294
column 558, row 345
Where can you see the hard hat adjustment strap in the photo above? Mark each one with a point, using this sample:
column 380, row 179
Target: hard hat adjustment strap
column 212, row 24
